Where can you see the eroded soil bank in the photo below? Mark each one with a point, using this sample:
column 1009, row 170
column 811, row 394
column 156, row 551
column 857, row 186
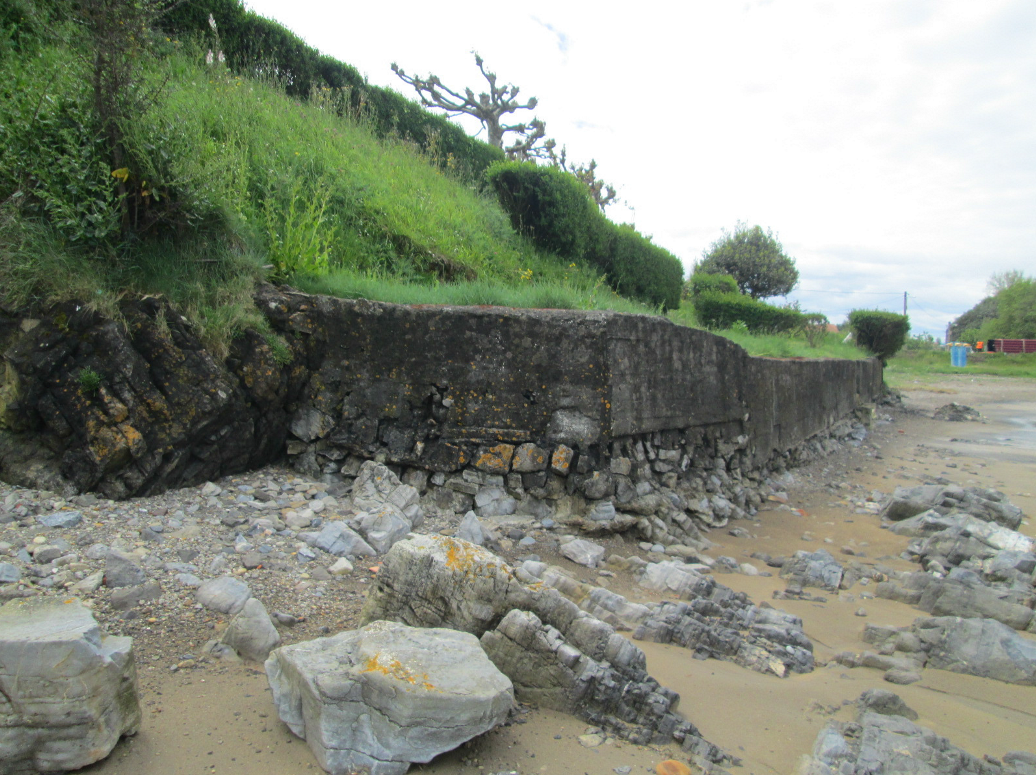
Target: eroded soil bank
column 215, row 717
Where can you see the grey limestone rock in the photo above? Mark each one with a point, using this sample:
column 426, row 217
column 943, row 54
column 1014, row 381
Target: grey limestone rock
column 251, row 632
column 382, row 526
column 9, row 573
column 376, row 484
column 583, row 552
column 981, row 503
column 714, row 621
column 982, row 647
column 339, row 539
column 225, row 594
column 813, row 569
column 121, row 570
column 68, row 692
column 376, row 699
column 470, row 530
column 880, row 744
column 885, row 702
column 61, row 519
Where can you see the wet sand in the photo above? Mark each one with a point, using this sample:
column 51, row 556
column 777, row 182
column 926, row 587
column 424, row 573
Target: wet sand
column 222, row 719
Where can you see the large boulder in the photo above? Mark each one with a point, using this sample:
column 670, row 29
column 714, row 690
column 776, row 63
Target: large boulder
column 435, row 581
column 982, row 647
column 68, row 692
column 376, row 699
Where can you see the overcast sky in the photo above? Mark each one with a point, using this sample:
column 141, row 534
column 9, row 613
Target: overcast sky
column 890, row 144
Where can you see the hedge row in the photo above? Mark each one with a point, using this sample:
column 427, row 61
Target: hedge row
column 260, row 47
column 555, row 211
column 723, row 310
column 881, row 333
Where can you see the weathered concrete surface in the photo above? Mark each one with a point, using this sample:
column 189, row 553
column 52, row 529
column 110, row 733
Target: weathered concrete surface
column 67, row 691
column 433, row 388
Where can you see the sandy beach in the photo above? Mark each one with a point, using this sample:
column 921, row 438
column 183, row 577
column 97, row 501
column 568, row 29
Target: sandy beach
column 220, row 719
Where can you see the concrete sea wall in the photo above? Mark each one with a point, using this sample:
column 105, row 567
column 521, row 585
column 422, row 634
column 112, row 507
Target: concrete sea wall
column 546, row 410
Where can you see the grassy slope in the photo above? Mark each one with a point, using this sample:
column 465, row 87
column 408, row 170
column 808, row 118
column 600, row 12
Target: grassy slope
column 317, row 198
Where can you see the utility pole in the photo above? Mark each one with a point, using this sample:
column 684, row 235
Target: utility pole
column 904, row 303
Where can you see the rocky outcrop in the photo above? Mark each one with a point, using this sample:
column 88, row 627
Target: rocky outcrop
column 713, row 621
column 883, row 743
column 135, row 406
column 980, row 647
column 54, row 642
column 377, row 699
column 585, row 667
column 981, row 503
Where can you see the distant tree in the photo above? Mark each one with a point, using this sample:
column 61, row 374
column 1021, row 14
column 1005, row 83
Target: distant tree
column 488, row 107
column 973, row 319
column 999, row 281
column 754, row 258
column 1017, row 311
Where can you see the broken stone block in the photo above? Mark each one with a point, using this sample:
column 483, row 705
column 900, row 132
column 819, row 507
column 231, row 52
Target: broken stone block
column 376, row 699
column 68, row 692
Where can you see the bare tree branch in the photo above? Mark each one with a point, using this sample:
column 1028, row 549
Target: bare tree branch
column 488, row 107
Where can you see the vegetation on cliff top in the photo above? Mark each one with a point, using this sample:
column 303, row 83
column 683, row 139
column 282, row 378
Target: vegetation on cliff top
column 169, row 154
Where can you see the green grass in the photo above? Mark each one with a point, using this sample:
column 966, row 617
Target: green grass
column 571, row 293
column 256, row 185
column 929, row 365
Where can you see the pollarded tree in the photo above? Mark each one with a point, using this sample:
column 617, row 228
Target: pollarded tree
column 754, row 258
column 488, row 107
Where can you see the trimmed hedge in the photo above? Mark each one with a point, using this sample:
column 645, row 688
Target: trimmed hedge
column 723, row 310
column 548, row 206
column 881, row 333
column 555, row 211
column 260, row 47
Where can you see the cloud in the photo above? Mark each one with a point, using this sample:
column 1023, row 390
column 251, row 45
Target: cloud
column 562, row 38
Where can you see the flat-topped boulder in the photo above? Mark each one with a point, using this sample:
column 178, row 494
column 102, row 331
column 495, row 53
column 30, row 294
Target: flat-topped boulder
column 376, row 699
column 68, row 692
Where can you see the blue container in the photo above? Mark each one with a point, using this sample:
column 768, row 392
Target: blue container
column 959, row 355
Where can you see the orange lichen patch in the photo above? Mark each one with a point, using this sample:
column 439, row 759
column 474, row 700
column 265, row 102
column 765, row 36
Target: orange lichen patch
column 396, row 669
column 496, row 459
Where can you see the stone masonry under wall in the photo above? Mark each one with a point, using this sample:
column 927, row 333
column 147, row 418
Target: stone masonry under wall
column 615, row 419
column 621, row 421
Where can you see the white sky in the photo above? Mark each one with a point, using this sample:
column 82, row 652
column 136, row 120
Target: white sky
column 890, row 144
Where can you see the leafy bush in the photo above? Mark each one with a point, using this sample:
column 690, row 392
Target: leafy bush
column 547, row 205
column 553, row 209
column 709, row 283
column 814, row 328
column 637, row 268
column 880, row 333
column 724, row 310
